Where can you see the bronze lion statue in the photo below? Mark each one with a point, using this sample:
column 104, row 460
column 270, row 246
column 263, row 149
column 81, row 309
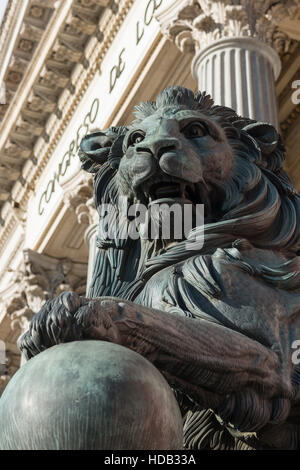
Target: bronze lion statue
column 219, row 315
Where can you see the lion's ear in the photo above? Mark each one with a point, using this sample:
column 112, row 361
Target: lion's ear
column 269, row 142
column 101, row 147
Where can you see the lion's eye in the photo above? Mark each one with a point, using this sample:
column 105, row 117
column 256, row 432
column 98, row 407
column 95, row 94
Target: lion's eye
column 194, row 130
column 135, row 138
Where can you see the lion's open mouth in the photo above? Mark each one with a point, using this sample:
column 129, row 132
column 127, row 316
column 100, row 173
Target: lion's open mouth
column 161, row 191
column 175, row 207
column 184, row 192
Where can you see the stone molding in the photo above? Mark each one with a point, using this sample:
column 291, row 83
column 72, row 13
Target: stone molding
column 249, row 67
column 78, row 195
column 50, row 45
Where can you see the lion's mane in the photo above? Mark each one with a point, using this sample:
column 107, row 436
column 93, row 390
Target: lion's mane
column 259, row 202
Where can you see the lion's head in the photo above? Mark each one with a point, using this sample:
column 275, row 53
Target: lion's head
column 176, row 153
column 184, row 148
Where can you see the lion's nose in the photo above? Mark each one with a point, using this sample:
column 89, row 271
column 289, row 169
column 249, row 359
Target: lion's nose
column 157, row 147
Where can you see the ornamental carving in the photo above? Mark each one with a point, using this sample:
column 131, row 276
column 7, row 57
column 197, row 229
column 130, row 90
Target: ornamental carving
column 81, row 201
column 42, row 278
column 197, row 23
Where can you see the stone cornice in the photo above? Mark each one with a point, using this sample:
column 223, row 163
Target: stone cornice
column 94, row 53
column 48, row 51
column 292, row 121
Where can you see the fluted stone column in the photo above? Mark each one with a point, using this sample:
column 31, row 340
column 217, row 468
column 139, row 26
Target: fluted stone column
column 239, row 73
column 235, row 45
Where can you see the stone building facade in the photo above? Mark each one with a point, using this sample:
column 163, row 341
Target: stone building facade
column 69, row 67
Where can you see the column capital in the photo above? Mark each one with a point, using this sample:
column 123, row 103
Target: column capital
column 195, row 24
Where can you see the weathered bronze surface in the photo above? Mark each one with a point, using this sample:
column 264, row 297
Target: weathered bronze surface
column 219, row 321
column 89, row 395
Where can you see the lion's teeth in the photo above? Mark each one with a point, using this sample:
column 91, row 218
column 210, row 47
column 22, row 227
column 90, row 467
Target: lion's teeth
column 168, row 190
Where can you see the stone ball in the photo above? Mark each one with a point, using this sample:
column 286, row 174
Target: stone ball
column 89, row 395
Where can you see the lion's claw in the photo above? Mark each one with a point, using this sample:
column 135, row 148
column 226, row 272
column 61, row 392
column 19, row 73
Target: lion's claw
column 67, row 318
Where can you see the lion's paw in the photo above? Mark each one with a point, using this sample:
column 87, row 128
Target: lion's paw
column 66, row 318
